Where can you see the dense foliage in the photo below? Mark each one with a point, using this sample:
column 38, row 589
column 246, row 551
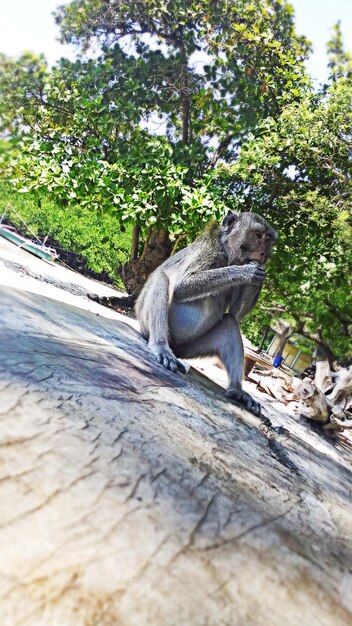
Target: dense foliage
column 78, row 233
column 86, row 127
column 299, row 175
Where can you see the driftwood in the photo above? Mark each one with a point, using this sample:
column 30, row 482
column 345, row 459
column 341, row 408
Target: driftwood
column 134, row 497
column 327, row 399
column 322, row 376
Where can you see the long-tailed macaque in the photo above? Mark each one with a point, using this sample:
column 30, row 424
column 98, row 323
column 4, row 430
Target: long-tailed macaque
column 313, row 403
column 192, row 305
column 342, row 393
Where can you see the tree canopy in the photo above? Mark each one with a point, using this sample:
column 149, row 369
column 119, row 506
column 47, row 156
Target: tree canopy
column 90, row 123
column 299, row 173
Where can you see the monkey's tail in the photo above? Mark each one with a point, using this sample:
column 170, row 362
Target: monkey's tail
column 126, row 302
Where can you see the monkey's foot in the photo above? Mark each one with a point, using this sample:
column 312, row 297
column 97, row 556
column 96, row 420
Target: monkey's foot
column 244, row 398
column 167, row 359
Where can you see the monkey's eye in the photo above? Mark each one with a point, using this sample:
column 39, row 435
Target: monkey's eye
column 259, row 235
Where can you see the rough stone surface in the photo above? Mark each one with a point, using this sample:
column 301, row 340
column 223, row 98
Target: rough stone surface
column 134, row 497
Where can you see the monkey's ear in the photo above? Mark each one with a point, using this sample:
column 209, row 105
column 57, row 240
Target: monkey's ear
column 230, row 218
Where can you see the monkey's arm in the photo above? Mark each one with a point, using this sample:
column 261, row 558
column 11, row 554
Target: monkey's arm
column 246, row 301
column 158, row 329
column 210, row 282
column 305, row 410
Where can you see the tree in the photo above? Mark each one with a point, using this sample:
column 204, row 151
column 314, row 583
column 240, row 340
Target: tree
column 299, row 173
column 340, row 61
column 90, row 129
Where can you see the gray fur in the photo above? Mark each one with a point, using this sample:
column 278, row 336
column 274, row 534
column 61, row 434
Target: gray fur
column 193, row 303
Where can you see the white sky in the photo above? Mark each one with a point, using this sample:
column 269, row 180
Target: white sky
column 314, row 19
column 29, row 25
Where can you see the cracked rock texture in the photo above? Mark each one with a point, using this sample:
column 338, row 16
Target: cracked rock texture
column 134, row 497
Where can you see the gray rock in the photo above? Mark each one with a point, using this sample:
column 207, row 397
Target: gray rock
column 131, row 496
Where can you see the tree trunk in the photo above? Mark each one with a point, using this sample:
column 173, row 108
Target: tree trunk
column 264, row 336
column 131, row 495
column 322, row 377
column 135, row 241
column 321, row 344
column 324, row 347
column 158, row 246
column 283, row 338
column 156, row 250
column 185, row 119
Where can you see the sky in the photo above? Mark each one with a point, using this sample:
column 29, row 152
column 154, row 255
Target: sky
column 29, row 25
column 314, row 19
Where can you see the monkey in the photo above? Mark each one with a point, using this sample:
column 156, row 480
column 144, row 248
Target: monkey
column 192, row 305
column 313, row 403
column 341, row 395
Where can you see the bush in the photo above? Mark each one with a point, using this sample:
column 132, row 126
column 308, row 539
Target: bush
column 95, row 236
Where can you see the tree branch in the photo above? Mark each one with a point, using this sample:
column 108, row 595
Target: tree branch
column 345, row 323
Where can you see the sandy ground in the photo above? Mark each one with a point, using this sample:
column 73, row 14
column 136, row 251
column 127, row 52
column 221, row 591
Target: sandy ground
column 22, row 270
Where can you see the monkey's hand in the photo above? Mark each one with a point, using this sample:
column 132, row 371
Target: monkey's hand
column 254, row 273
column 237, row 393
column 166, row 357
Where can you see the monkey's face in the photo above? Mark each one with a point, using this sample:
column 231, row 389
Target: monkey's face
column 304, row 390
column 250, row 242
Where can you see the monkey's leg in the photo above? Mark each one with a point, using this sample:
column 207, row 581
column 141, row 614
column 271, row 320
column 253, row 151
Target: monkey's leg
column 224, row 340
